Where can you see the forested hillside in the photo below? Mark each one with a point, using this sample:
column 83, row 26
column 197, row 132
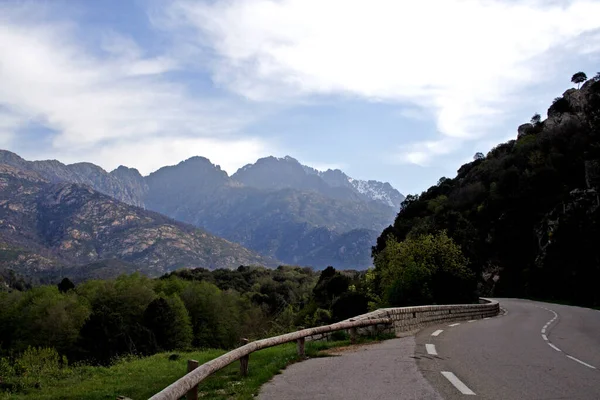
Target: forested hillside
column 98, row 320
column 526, row 215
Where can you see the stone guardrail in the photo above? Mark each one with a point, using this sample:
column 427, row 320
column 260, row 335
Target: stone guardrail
column 403, row 320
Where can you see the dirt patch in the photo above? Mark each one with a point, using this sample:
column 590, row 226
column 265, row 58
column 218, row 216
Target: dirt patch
column 346, row 349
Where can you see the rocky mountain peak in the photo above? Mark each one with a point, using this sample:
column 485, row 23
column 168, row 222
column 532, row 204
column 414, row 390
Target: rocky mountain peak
column 125, row 172
column 10, row 158
column 336, row 178
column 287, row 172
column 195, row 170
column 275, row 173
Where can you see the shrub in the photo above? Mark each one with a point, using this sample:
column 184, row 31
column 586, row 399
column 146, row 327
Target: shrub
column 559, row 105
column 424, row 269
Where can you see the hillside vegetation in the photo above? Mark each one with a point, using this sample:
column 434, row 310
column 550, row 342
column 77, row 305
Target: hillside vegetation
column 45, row 330
column 526, row 215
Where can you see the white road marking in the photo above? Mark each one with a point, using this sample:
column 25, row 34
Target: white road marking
column 456, row 324
column 487, row 318
column 431, row 349
column 457, row 383
column 554, row 347
column 473, row 320
column 437, row 332
column 581, row 362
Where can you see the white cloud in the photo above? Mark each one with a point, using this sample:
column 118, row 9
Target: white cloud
column 462, row 60
column 111, row 104
column 422, row 153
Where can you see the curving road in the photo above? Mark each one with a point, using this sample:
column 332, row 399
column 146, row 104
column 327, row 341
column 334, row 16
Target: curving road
column 533, row 351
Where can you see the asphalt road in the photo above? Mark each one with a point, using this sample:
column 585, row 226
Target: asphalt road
column 533, row 351
column 382, row 371
column 507, row 357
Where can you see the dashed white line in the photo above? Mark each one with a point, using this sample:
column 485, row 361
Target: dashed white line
column 458, row 383
column 456, row 324
column 581, row 362
column 487, row 317
column 436, row 333
column 553, row 346
column 473, row 320
column 431, row 349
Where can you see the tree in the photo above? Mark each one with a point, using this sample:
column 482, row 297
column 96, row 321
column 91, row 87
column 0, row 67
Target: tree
column 331, row 285
column 579, row 78
column 47, row 318
column 442, row 180
column 478, row 156
column 65, row 285
column 215, row 315
column 116, row 324
column 169, row 322
column 536, row 119
column 427, row 269
column 349, row 305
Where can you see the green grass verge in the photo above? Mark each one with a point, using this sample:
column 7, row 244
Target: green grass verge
column 140, row 378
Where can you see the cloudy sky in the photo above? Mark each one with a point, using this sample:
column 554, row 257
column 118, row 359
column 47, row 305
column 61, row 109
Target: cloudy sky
column 393, row 90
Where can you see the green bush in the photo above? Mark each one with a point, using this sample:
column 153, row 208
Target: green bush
column 39, row 361
column 426, row 269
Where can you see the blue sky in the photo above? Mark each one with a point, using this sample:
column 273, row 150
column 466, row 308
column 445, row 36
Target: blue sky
column 397, row 91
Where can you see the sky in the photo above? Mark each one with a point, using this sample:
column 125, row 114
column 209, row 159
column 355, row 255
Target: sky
column 392, row 90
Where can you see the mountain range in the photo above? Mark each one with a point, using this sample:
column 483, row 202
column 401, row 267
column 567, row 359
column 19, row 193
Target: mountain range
column 276, row 207
column 48, row 226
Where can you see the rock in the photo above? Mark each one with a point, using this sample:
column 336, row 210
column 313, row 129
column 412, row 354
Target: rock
column 524, row 130
column 562, row 120
column 576, row 98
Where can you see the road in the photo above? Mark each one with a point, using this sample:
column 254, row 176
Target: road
column 534, row 351
column 382, row 371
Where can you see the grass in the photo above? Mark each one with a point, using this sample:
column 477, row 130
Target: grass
column 141, row 378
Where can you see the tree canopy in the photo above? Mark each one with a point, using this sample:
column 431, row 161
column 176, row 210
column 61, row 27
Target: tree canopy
column 424, row 269
column 579, row 78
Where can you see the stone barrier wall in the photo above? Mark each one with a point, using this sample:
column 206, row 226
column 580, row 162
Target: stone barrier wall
column 407, row 320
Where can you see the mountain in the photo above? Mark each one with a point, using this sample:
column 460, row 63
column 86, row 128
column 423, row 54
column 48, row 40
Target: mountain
column 117, row 184
column 366, row 190
column 47, row 226
column 272, row 207
column 276, row 206
column 527, row 215
column 287, row 173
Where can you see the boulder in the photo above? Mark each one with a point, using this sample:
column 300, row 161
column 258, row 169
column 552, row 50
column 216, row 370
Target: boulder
column 524, row 130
